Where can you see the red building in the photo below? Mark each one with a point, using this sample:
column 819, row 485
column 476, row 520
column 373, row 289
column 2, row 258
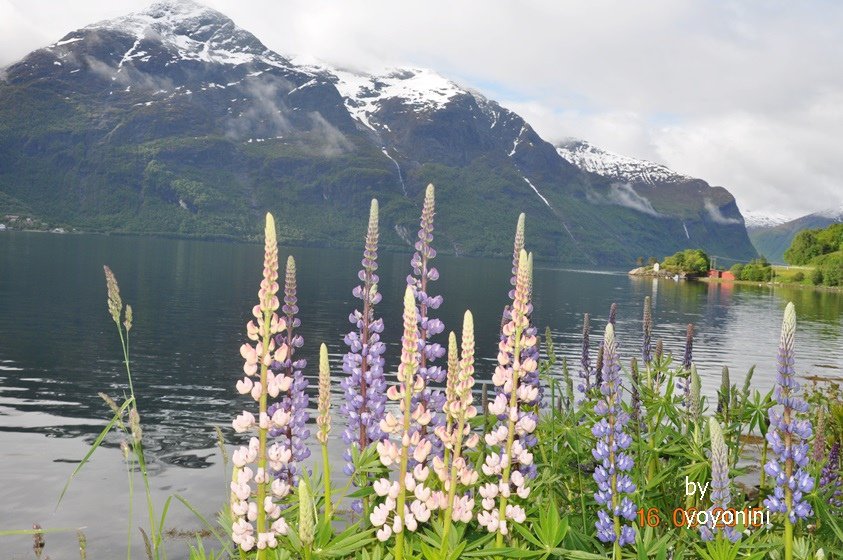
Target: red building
column 714, row 273
column 727, row 275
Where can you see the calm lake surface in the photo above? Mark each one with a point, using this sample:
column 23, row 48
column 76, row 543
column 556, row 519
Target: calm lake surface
column 58, row 348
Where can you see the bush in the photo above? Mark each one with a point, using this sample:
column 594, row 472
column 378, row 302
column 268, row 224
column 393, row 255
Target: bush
column 817, row 277
column 799, row 277
column 690, row 261
column 758, row 270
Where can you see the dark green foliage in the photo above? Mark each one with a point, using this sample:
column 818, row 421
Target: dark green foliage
column 799, row 277
column 690, row 261
column 758, row 270
column 816, row 277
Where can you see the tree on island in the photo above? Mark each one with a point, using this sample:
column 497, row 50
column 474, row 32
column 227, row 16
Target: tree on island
column 689, row 261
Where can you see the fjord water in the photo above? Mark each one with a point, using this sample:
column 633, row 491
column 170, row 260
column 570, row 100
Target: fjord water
column 191, row 300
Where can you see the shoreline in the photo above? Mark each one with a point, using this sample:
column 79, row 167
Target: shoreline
column 820, row 288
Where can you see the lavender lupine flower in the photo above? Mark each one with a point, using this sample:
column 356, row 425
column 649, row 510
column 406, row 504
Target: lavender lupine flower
column 788, row 435
column 635, row 397
column 294, row 399
column 407, row 501
column 720, row 493
column 683, row 383
column 252, row 491
column 459, row 409
column 365, row 386
column 509, row 457
column 431, row 398
column 585, row 386
column 614, row 485
column 830, row 480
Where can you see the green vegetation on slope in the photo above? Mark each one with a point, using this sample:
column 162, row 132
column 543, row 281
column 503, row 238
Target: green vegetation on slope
column 823, row 250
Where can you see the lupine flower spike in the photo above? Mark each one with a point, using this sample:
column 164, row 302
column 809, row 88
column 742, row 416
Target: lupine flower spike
column 252, row 491
column 787, row 436
column 720, row 493
column 407, row 501
column 459, row 409
column 509, row 457
column 293, row 395
column 613, row 483
column 364, row 387
column 585, row 386
column 431, row 398
column 598, row 369
column 684, row 381
column 830, row 480
column 323, row 421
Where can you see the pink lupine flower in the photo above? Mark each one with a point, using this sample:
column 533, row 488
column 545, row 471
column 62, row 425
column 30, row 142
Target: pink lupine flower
column 252, row 505
column 401, row 503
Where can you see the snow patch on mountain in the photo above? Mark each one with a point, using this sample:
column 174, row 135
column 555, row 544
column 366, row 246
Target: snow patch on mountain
column 755, row 219
column 421, row 89
column 191, row 31
column 615, row 166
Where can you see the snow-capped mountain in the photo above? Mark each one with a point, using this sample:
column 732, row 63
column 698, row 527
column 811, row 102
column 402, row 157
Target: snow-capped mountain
column 174, row 119
column 616, row 166
column 762, row 220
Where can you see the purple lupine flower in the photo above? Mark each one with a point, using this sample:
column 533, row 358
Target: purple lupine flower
column 585, row 387
column 683, row 383
column 646, row 346
column 830, row 480
column 789, row 434
column 721, row 494
column 431, row 398
column 365, row 386
column 294, row 400
column 613, row 483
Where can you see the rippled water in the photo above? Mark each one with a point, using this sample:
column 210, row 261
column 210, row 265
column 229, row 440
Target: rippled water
column 58, row 347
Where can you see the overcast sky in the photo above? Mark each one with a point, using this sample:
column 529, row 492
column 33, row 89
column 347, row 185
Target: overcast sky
column 748, row 95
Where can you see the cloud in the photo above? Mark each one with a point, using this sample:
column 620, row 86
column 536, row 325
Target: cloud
column 716, row 215
column 622, row 194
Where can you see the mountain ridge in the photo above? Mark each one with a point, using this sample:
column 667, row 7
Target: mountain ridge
column 174, row 119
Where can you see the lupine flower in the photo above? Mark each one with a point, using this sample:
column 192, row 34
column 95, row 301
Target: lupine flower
column 291, row 385
column 720, row 493
column 723, row 395
column 307, row 514
column 830, row 480
column 598, row 369
column 614, row 485
column 635, row 398
column 459, row 409
column 407, row 501
column 365, row 386
column 646, row 346
column 509, row 462
column 683, row 383
column 694, row 404
column 252, row 491
column 323, row 421
column 659, row 350
column 788, row 434
column 585, row 386
column 431, row 398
